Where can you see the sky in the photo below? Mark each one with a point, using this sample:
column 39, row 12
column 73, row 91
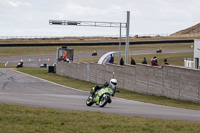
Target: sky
column 147, row 17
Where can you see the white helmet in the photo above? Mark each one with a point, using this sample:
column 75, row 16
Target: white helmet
column 113, row 83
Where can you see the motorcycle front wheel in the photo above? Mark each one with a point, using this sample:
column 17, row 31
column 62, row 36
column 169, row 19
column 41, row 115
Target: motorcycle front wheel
column 103, row 100
column 89, row 101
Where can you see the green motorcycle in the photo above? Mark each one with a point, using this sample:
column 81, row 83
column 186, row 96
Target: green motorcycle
column 159, row 50
column 101, row 97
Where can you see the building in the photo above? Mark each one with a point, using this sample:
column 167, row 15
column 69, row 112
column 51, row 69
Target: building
column 196, row 53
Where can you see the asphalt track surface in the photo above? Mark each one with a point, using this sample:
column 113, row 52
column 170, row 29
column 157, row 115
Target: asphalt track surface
column 23, row 89
column 34, row 60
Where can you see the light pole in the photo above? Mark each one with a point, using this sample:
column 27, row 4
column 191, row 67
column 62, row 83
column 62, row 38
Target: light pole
column 101, row 24
column 127, row 37
column 120, row 40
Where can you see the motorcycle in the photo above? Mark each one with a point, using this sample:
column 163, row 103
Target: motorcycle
column 100, row 97
column 159, row 51
column 94, row 53
column 20, row 64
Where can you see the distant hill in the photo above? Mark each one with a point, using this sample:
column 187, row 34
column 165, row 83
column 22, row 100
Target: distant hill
column 194, row 30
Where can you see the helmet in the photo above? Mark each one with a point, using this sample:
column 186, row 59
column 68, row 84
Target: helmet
column 113, row 83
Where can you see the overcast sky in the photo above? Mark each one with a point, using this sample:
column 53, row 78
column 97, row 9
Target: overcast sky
column 31, row 17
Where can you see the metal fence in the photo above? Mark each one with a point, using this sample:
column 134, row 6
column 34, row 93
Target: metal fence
column 195, row 36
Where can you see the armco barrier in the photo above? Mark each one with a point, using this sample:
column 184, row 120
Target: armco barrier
column 94, row 43
column 170, row 81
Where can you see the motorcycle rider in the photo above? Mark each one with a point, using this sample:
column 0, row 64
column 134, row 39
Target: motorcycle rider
column 112, row 84
column 159, row 50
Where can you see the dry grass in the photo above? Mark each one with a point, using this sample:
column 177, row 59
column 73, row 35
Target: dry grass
column 22, row 119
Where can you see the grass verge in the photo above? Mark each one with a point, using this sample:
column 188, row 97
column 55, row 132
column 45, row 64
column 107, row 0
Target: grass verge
column 2, row 65
column 24, row 119
column 83, row 85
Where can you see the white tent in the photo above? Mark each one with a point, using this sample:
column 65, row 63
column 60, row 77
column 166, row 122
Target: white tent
column 105, row 57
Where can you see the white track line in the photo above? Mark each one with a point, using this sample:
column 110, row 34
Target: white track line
column 6, row 63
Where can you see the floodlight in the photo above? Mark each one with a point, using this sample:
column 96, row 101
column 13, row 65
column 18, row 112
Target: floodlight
column 57, row 22
column 72, row 23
